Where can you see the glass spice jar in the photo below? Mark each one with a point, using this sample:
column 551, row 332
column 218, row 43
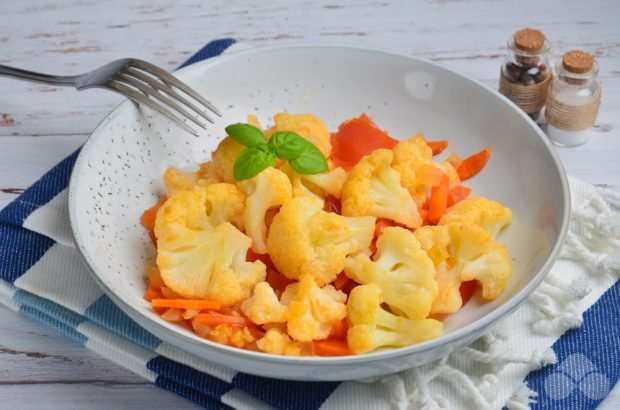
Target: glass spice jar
column 573, row 100
column 525, row 74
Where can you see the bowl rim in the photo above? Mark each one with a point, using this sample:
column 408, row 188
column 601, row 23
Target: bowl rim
column 158, row 329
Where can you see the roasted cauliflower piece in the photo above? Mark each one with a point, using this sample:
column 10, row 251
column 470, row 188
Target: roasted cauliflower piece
column 269, row 189
column 402, row 270
column 223, row 159
column 263, row 306
column 304, row 239
column 373, row 188
column 411, row 159
column 486, row 213
column 307, row 126
column 316, row 185
column 225, row 203
column 276, row 341
column 463, row 252
column 372, row 327
column 199, row 260
column 205, row 207
column 177, row 180
column 312, row 310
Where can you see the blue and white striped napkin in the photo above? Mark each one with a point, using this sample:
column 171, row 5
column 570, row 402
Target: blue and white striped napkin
column 43, row 277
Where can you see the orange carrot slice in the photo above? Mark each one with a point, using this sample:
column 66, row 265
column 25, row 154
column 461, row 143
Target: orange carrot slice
column 357, row 138
column 423, row 214
column 154, row 277
column 332, row 347
column 438, row 203
column 148, row 218
column 172, row 315
column 186, row 304
column 457, row 194
column 474, row 164
column 431, row 174
column 152, row 292
column 216, row 319
column 437, row 146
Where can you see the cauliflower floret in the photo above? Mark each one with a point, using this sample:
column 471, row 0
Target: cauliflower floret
column 224, row 157
column 488, row 214
column 203, row 208
column 316, row 185
column 307, row 126
column 463, row 252
column 269, row 189
column 276, row 341
column 373, row 188
column 304, row 239
column 225, row 203
column 253, row 120
column 240, row 337
column 177, row 180
column 372, row 327
column 263, row 306
column 197, row 260
column 411, row 158
column 312, row 310
column 403, row 271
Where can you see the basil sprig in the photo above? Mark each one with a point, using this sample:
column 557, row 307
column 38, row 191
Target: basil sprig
column 303, row 156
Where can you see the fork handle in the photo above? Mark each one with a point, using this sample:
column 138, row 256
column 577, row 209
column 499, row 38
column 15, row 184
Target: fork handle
column 26, row 75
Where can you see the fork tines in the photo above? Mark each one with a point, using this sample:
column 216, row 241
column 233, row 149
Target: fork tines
column 150, row 85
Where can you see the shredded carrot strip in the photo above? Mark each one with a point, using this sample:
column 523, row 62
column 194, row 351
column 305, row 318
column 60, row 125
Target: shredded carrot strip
column 474, row 164
column 186, row 304
column 438, row 203
column 152, row 292
column 437, row 146
column 457, row 194
column 330, row 347
column 148, row 218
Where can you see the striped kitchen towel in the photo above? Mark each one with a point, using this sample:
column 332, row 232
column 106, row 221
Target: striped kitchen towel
column 548, row 354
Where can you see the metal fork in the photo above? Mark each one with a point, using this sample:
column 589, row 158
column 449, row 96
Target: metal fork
column 139, row 80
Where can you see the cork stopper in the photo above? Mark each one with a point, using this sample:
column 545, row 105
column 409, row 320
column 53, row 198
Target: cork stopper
column 529, row 39
column 577, row 61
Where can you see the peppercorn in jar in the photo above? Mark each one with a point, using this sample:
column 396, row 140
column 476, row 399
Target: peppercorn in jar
column 525, row 74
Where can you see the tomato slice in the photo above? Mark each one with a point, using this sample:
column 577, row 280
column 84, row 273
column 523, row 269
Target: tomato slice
column 357, row 138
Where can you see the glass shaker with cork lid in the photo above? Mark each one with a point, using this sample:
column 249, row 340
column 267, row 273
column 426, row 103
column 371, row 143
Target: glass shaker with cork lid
column 525, row 74
column 573, row 100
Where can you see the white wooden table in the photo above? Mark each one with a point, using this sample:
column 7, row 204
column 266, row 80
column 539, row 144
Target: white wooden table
column 39, row 124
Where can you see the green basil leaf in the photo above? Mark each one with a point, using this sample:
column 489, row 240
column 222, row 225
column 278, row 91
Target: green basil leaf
column 287, row 145
column 246, row 134
column 311, row 161
column 251, row 161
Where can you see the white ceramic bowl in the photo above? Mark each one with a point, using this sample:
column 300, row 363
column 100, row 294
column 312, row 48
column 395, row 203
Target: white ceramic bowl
column 118, row 175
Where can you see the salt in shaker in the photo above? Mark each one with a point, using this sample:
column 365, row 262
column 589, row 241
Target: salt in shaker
column 573, row 100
